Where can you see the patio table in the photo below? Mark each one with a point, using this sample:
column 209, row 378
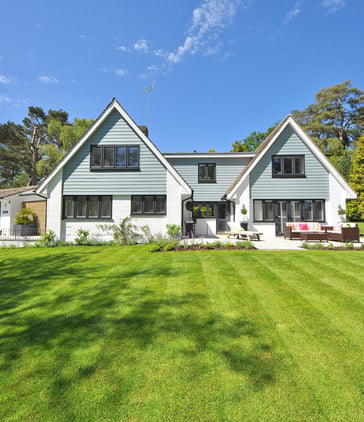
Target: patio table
column 307, row 235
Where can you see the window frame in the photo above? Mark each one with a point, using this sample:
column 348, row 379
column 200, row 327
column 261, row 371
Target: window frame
column 114, row 167
column 205, row 179
column 293, row 158
column 143, row 212
column 87, row 217
column 289, row 214
column 208, row 205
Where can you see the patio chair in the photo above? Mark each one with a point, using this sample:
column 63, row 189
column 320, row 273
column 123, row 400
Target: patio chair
column 239, row 233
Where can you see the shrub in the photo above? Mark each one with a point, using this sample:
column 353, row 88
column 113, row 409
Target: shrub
column 48, row 240
column 244, row 244
column 123, row 233
column 217, row 244
column 174, row 231
column 330, row 246
column 228, row 245
column 349, row 245
column 147, row 235
column 82, row 237
column 170, row 246
column 154, row 247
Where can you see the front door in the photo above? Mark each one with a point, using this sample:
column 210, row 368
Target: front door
column 281, row 216
column 222, row 216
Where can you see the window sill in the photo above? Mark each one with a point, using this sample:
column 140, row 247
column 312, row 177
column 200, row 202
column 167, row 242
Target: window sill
column 121, row 169
column 207, row 181
column 278, row 176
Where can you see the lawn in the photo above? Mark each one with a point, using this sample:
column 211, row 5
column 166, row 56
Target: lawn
column 121, row 334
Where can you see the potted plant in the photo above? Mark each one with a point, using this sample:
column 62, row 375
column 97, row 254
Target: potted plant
column 25, row 223
column 244, row 212
column 341, row 213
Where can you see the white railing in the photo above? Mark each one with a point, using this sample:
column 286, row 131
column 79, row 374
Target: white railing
column 20, row 233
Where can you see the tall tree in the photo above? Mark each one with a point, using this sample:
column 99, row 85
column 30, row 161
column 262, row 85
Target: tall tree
column 336, row 120
column 355, row 207
column 251, row 142
column 31, row 151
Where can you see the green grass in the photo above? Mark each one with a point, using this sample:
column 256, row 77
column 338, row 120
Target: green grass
column 361, row 227
column 120, row 334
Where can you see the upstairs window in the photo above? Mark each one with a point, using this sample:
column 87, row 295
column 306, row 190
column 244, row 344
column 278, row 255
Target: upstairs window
column 288, row 166
column 207, row 173
column 114, row 157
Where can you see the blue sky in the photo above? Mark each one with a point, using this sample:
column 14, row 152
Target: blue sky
column 221, row 68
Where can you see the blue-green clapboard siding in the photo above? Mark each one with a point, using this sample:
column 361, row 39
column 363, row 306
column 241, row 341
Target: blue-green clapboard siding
column 314, row 186
column 227, row 170
column 150, row 179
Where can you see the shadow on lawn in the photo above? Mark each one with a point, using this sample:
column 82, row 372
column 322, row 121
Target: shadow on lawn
column 124, row 316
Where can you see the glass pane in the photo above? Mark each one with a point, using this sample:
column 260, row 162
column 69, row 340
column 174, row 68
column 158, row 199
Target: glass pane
column 120, row 156
column 299, row 165
column 287, row 163
column 319, row 210
column 68, row 207
column 148, row 204
column 211, row 172
column 196, row 211
column 211, row 210
column 276, row 164
column 222, row 211
column 136, row 205
column 307, row 211
column 258, row 210
column 203, row 210
column 268, row 210
column 160, row 204
column 96, row 157
column 81, row 206
column 296, row 210
column 108, row 156
column 201, row 172
column 133, row 159
column 105, row 206
column 93, row 211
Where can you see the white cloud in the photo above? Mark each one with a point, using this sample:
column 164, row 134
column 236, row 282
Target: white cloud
column 4, row 80
column 208, row 21
column 48, row 80
column 121, row 72
column 122, row 48
column 142, row 46
column 5, row 99
column 333, row 6
column 294, row 12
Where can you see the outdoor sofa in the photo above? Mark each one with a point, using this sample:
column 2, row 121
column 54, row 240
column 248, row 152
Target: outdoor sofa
column 316, row 231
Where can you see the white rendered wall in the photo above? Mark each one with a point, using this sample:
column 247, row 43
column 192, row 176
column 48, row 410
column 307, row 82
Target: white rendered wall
column 54, row 205
column 337, row 198
column 243, row 199
column 5, row 214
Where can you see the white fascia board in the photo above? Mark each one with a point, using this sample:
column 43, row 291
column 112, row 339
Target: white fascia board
column 233, row 192
column 114, row 105
column 315, row 150
column 209, row 155
column 323, row 160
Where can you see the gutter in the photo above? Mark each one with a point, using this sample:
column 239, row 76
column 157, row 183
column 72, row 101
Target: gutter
column 190, row 198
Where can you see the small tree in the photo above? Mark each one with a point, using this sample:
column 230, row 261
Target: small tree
column 26, row 217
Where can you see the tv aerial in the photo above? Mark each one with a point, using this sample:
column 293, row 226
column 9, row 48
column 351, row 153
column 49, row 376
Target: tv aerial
column 148, row 91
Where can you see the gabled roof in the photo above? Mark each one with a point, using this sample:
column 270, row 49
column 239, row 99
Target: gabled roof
column 5, row 193
column 114, row 105
column 269, row 141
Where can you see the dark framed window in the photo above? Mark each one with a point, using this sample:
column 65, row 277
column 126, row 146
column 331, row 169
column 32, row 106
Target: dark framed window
column 203, row 209
column 207, row 173
column 114, row 157
column 295, row 210
column 288, row 166
column 87, row 207
column 148, row 204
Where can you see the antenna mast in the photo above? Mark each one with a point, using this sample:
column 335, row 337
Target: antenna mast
column 148, row 91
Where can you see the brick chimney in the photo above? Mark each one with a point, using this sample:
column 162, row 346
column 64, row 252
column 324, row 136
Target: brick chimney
column 144, row 129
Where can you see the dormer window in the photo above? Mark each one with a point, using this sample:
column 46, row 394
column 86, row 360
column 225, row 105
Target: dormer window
column 114, row 157
column 288, row 166
column 207, row 173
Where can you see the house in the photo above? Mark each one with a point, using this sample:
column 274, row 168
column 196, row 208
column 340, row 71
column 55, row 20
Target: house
column 115, row 171
column 12, row 200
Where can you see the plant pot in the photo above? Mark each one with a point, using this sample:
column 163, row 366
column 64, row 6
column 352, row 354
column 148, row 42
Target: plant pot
column 25, row 230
